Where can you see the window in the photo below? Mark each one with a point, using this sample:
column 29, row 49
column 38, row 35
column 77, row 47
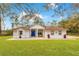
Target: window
column 52, row 32
column 40, row 33
column 60, row 32
column 20, row 32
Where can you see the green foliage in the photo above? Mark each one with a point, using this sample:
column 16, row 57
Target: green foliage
column 54, row 23
column 38, row 21
column 4, row 8
column 72, row 24
column 7, row 33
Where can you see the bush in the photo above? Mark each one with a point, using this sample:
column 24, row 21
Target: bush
column 6, row 33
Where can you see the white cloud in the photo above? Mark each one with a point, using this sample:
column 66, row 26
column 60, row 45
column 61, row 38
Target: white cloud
column 39, row 15
column 36, row 15
column 61, row 17
column 52, row 5
column 22, row 14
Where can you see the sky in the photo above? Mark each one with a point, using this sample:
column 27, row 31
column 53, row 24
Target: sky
column 45, row 14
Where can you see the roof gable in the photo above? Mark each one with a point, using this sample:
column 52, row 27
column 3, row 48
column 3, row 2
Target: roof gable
column 25, row 28
column 37, row 27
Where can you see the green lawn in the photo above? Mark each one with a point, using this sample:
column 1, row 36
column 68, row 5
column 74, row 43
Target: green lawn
column 5, row 37
column 38, row 47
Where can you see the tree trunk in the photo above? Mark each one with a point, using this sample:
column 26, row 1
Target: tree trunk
column 0, row 25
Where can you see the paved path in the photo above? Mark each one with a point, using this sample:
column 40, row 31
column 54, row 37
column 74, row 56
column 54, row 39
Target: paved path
column 68, row 37
column 73, row 37
column 30, row 39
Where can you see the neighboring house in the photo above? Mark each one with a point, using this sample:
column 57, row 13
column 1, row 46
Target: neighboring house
column 38, row 31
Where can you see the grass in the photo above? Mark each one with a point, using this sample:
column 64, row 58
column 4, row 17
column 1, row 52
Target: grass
column 5, row 37
column 38, row 47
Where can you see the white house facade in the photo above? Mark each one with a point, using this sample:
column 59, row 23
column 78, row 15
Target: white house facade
column 38, row 31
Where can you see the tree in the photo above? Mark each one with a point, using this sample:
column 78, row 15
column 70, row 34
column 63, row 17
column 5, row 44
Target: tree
column 54, row 23
column 24, row 20
column 60, row 10
column 64, row 23
column 72, row 24
column 33, row 15
column 15, row 21
column 6, row 10
column 0, row 25
column 9, row 11
column 3, row 11
column 38, row 21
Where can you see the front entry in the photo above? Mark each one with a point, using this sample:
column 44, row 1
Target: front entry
column 40, row 33
column 20, row 34
column 33, row 33
column 37, row 33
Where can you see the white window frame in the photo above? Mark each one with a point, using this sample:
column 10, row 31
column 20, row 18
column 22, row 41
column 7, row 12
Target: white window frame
column 59, row 32
column 52, row 33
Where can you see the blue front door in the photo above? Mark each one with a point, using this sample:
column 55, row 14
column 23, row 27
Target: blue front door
column 33, row 33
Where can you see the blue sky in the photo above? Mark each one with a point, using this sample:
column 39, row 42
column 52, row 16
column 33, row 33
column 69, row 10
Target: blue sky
column 44, row 13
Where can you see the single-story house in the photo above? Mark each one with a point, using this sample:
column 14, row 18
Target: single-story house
column 38, row 31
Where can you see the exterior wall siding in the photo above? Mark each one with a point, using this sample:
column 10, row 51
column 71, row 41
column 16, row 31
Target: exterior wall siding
column 56, row 34
column 27, row 33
